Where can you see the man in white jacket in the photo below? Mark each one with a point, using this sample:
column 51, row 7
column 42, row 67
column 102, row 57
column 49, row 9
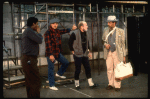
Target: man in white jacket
column 114, row 50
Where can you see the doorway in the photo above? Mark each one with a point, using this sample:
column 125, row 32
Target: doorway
column 137, row 35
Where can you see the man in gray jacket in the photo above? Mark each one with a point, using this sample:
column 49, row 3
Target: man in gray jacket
column 79, row 45
column 31, row 38
column 114, row 50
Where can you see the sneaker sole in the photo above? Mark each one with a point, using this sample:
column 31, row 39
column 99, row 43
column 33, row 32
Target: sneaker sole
column 53, row 89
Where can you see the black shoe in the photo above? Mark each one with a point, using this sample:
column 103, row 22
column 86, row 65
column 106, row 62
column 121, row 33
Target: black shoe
column 78, row 88
column 95, row 85
column 117, row 89
column 109, row 87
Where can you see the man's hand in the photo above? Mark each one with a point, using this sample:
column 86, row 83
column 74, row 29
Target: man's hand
column 90, row 55
column 74, row 27
column 52, row 58
column 107, row 46
column 38, row 29
column 73, row 52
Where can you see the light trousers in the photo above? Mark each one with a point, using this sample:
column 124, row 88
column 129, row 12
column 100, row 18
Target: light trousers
column 111, row 62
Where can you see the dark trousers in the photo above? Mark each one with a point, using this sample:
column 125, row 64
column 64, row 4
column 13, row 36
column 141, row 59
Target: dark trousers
column 32, row 76
column 85, row 62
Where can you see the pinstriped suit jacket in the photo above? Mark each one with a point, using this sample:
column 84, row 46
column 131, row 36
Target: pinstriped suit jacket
column 120, row 43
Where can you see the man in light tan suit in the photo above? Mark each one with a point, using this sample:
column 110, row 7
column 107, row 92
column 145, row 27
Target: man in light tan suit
column 114, row 50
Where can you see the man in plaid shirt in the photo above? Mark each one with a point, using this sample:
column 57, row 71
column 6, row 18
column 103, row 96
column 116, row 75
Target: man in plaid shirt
column 53, row 51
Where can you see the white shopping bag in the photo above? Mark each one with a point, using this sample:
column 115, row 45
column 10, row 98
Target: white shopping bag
column 123, row 71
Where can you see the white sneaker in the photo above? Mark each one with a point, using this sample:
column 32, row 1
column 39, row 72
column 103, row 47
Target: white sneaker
column 53, row 88
column 60, row 76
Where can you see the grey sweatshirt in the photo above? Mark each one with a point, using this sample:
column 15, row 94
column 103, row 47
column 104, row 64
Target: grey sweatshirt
column 30, row 42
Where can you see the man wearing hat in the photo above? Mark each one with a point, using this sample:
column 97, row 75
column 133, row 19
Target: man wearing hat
column 114, row 50
column 53, row 51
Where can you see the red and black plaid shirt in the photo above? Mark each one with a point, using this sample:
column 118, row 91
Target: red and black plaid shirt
column 53, row 41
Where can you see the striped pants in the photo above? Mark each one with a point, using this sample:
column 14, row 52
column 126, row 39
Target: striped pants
column 111, row 62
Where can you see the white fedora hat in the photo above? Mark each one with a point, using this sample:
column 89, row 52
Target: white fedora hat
column 112, row 18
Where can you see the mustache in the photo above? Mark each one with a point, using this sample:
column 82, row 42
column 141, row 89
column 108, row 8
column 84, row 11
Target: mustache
column 55, row 26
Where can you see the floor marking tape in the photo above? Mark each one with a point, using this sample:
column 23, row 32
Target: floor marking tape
column 80, row 92
column 65, row 86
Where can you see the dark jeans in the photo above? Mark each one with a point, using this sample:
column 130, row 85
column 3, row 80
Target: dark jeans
column 61, row 71
column 32, row 76
column 85, row 62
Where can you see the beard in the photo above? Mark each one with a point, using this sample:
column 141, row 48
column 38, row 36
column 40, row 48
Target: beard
column 85, row 30
column 110, row 27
